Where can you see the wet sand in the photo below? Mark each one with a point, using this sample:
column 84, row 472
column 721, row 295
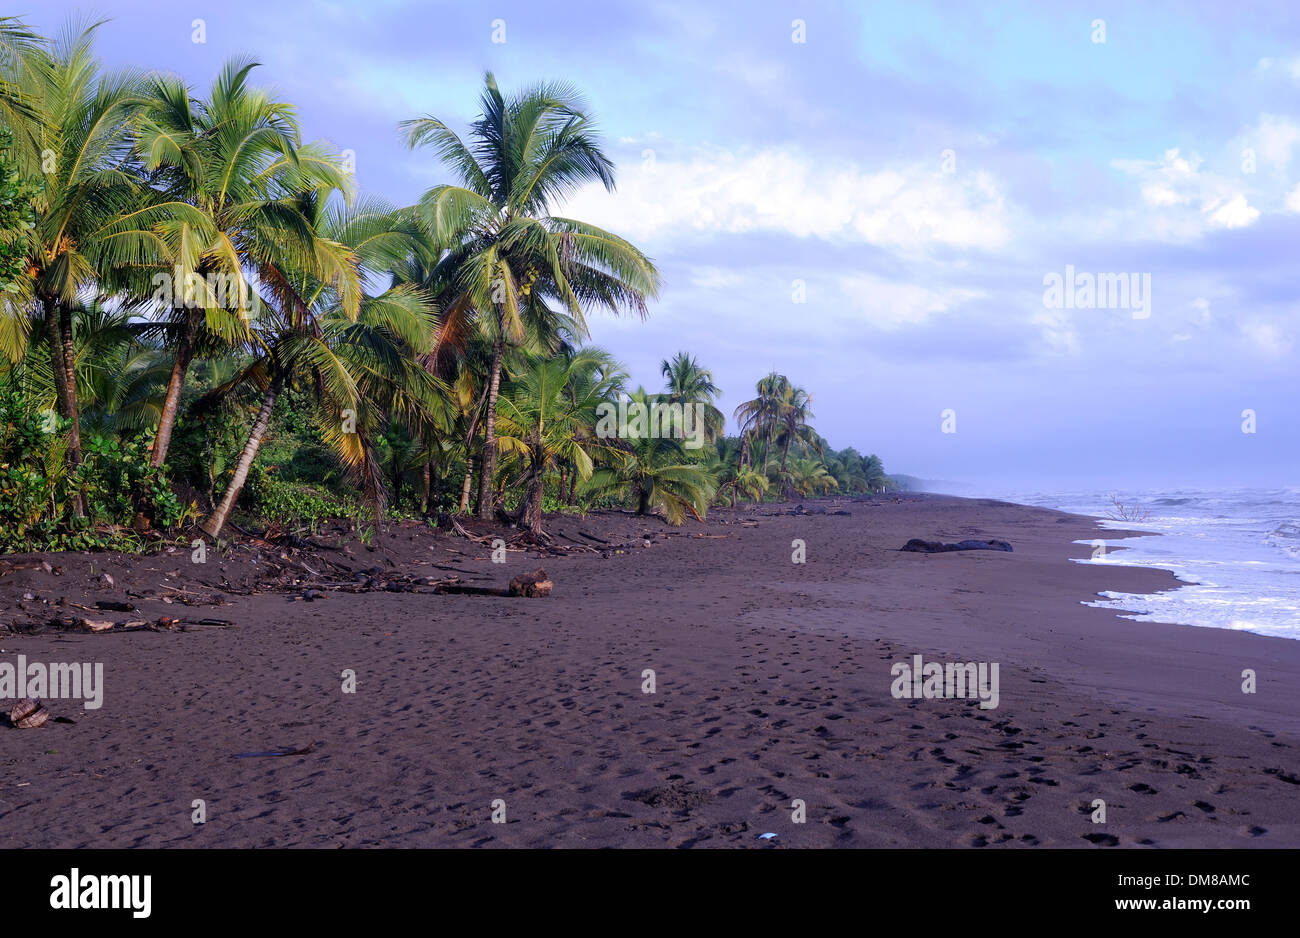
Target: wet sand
column 772, row 684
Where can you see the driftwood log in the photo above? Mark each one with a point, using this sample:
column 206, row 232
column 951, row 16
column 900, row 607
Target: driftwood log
column 532, row 584
column 916, row 545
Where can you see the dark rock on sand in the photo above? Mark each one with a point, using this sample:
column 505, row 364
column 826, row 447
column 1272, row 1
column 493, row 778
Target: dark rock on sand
column 916, row 545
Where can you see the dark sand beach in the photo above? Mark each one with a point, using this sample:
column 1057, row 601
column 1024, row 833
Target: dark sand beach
column 772, row 684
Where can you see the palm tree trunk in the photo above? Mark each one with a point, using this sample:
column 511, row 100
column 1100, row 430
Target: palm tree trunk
column 70, row 369
column 489, row 468
column 468, row 483
column 535, row 497
column 426, row 478
column 213, row 524
column 171, row 403
column 435, row 485
column 65, row 390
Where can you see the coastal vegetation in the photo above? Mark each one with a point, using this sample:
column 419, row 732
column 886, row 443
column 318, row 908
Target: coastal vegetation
column 201, row 320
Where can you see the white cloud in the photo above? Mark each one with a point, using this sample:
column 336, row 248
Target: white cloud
column 1273, row 139
column 1180, row 202
column 1234, row 213
column 1293, row 199
column 890, row 306
column 715, row 278
column 1267, row 338
column 1290, row 67
column 714, row 191
column 1057, row 329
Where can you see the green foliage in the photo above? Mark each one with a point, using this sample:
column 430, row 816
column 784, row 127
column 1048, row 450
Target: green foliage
column 16, row 215
column 114, row 479
column 278, row 501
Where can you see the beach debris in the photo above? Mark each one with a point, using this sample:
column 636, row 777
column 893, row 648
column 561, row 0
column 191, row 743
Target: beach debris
column 28, row 714
column 919, row 546
column 533, row 584
column 111, row 605
column 185, row 597
column 284, row 751
column 97, row 626
column 817, row 510
column 10, row 566
column 767, row 836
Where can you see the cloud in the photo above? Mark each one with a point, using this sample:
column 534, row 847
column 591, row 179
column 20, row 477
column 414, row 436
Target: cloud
column 891, row 305
column 1234, row 213
column 1266, row 338
column 715, row 278
column 1289, row 67
column 1273, row 139
column 1179, row 201
column 713, row 191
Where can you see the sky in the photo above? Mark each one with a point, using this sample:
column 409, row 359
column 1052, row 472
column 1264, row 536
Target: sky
column 907, row 208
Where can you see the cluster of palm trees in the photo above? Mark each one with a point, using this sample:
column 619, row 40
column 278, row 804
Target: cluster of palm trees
column 179, row 256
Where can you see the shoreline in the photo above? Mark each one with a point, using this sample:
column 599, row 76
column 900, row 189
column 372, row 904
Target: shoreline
column 772, row 684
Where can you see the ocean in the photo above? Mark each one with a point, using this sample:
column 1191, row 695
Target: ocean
column 1238, row 551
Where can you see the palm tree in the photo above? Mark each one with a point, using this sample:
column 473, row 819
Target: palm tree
column 654, row 472
column 795, row 411
column 22, row 58
column 85, row 126
column 545, row 422
column 734, row 478
column 809, row 477
column 689, row 384
column 24, row 63
column 237, row 157
column 760, row 418
column 358, row 353
column 508, row 257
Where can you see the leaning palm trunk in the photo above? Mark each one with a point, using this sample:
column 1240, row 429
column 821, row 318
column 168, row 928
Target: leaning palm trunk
column 171, row 403
column 213, row 524
column 485, row 499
